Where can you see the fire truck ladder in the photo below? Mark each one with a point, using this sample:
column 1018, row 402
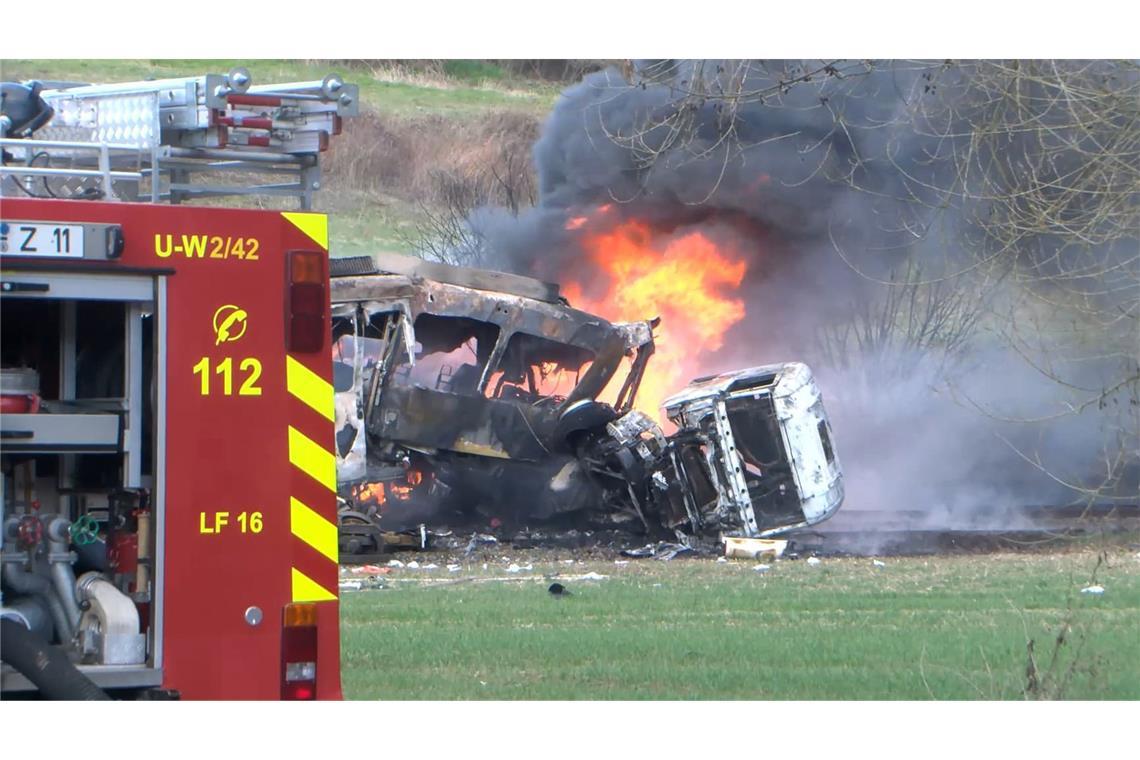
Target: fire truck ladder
column 176, row 140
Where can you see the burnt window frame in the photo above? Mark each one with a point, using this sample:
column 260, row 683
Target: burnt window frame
column 501, row 356
column 404, row 365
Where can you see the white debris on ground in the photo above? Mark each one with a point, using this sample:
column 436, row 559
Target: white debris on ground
column 395, row 563
column 453, row 568
column 621, row 561
column 1093, row 590
column 740, row 547
column 813, row 560
column 413, row 565
column 432, row 566
column 514, row 568
column 720, row 560
column 592, row 576
column 878, row 563
column 567, row 562
column 351, row 585
column 762, row 568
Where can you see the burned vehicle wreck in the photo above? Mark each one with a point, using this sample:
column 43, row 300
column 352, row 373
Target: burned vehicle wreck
column 468, row 398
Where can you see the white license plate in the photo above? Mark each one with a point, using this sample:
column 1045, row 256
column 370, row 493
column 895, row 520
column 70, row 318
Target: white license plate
column 41, row 239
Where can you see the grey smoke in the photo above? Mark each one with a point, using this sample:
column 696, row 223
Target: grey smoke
column 811, row 173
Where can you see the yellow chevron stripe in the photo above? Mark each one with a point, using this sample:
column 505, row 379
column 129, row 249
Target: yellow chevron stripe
column 305, row 589
column 313, row 529
column 310, row 387
column 312, row 459
column 316, row 226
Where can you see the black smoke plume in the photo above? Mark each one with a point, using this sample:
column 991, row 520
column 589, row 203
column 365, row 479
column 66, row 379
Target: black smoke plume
column 864, row 265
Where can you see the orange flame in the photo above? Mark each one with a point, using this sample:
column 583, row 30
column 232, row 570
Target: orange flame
column 371, row 493
column 683, row 277
column 379, row 493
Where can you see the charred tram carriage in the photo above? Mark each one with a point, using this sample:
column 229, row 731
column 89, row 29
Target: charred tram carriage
column 466, row 394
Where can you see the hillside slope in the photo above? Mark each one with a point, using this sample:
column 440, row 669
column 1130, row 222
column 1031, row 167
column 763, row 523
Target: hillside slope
column 428, row 131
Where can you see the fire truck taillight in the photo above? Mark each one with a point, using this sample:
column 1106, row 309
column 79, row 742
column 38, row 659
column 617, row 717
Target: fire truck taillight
column 299, row 652
column 308, row 300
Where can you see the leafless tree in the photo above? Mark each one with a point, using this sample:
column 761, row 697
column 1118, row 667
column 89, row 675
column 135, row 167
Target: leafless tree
column 1037, row 162
column 887, row 330
column 446, row 233
column 1046, row 164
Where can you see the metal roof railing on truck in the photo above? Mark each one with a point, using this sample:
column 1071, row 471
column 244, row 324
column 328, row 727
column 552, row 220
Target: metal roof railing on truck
column 175, row 140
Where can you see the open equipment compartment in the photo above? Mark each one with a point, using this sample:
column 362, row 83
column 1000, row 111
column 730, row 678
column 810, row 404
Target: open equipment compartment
column 83, row 415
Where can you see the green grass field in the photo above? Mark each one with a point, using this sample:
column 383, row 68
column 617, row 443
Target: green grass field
column 919, row 628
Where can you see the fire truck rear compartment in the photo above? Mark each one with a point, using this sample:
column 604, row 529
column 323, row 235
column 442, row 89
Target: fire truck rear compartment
column 81, row 496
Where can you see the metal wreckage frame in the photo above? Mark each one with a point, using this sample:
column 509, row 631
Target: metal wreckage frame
column 467, row 397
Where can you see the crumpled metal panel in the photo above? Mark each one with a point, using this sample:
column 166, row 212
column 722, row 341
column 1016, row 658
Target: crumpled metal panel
column 802, row 420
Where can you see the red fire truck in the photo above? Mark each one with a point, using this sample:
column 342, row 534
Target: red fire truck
column 166, row 441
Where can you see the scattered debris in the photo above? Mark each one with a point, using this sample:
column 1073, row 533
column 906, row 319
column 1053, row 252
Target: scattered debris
column 477, row 540
column 754, row 548
column 721, row 559
column 557, row 589
column 514, row 568
column 395, row 563
column 432, row 566
column 667, row 552
column 1098, row 590
column 413, row 565
column 351, row 585
column 592, row 576
column 878, row 563
column 813, row 560
column 662, row 550
column 621, row 561
column 453, row 568
column 762, row 568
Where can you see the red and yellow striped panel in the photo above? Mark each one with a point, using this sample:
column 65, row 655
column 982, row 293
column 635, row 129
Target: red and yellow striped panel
column 312, row 503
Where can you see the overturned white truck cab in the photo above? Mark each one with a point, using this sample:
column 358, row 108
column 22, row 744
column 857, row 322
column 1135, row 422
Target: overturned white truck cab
column 770, row 446
column 470, row 398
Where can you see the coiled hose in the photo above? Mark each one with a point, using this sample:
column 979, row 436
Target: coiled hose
column 45, row 665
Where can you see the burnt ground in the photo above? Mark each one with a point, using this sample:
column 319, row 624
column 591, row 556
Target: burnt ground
column 852, row 533
column 870, row 533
